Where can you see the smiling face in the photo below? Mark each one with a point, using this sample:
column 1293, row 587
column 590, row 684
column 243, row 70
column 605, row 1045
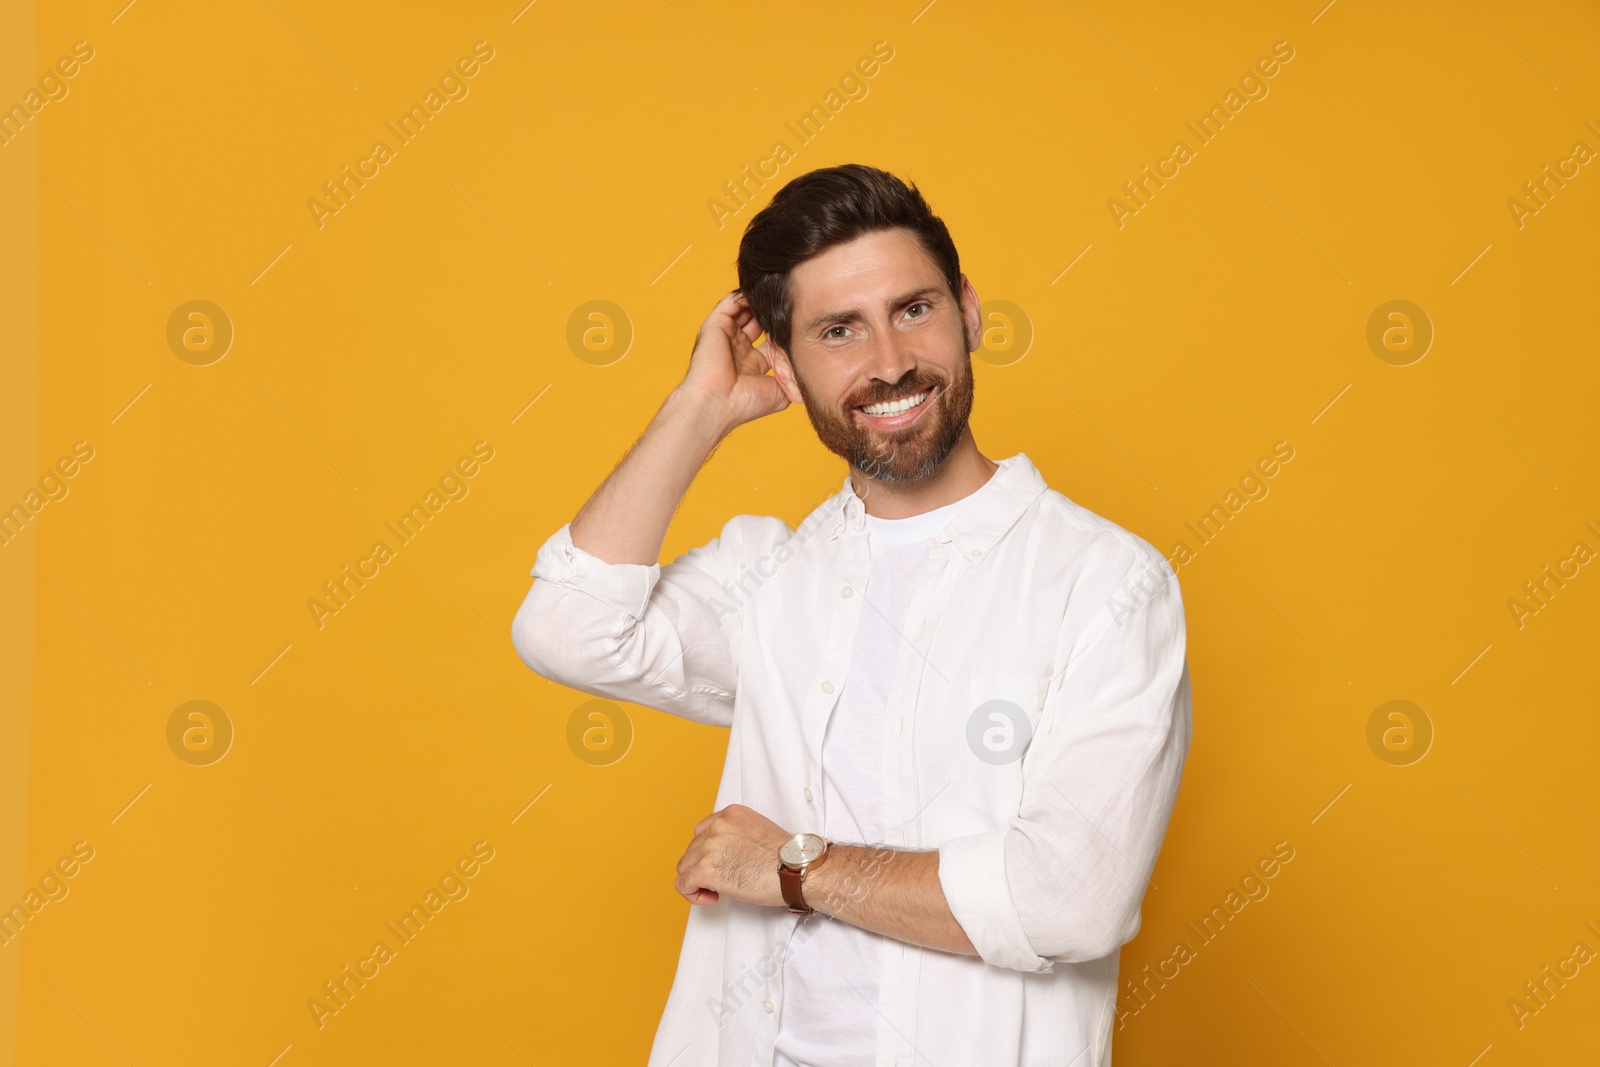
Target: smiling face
column 875, row 326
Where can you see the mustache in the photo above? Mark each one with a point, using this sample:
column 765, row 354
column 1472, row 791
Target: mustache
column 898, row 393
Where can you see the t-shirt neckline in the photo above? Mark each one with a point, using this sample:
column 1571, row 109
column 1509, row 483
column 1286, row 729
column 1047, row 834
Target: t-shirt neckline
column 914, row 529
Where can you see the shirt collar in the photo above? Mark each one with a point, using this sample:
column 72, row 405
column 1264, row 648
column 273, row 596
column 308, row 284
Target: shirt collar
column 992, row 510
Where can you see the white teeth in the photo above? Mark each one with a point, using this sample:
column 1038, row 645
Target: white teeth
column 895, row 407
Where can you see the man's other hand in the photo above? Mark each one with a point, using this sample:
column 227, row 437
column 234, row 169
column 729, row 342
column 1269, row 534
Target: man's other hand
column 734, row 852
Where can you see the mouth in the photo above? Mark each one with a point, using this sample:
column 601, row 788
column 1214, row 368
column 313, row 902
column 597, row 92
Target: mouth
column 895, row 414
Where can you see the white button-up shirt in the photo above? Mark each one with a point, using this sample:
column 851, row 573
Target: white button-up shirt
column 1035, row 733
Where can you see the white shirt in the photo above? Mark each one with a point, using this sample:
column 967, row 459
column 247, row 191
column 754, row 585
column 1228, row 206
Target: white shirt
column 1036, row 623
column 830, row 978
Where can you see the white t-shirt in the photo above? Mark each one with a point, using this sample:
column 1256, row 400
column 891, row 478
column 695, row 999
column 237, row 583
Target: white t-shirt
column 825, row 1022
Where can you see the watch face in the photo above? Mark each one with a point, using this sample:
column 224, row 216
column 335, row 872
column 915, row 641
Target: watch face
column 801, row 849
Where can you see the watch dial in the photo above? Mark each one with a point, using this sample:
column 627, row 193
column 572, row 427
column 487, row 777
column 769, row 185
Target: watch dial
column 801, row 849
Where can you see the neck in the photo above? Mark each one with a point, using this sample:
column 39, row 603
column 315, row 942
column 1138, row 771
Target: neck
column 961, row 474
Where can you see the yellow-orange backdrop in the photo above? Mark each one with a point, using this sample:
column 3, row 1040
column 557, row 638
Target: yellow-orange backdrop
column 1175, row 332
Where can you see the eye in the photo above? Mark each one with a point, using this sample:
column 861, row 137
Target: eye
column 918, row 304
column 829, row 334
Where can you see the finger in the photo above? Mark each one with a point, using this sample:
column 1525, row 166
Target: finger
column 732, row 304
column 755, row 361
column 779, row 400
column 772, row 396
column 728, row 321
column 751, row 327
column 739, row 338
column 743, row 317
column 690, row 885
column 722, row 315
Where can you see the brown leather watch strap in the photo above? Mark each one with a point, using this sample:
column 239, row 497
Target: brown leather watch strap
column 791, row 882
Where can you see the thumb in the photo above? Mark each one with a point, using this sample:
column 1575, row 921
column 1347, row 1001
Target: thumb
column 777, row 399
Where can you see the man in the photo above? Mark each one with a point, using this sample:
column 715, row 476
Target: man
column 967, row 692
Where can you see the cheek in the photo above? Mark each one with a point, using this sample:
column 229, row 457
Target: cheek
column 832, row 390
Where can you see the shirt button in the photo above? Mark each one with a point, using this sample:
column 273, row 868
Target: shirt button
column 827, row 687
column 808, row 792
column 977, row 552
column 771, row 1007
column 847, row 592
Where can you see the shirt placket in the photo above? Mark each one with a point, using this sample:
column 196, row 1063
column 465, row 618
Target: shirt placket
column 906, row 788
column 851, row 570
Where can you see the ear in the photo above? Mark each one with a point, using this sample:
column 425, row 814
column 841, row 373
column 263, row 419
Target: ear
column 783, row 371
column 971, row 317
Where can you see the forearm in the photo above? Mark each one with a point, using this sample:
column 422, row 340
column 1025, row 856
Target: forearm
column 626, row 519
column 894, row 892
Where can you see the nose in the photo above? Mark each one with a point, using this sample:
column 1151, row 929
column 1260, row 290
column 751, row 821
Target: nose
column 892, row 358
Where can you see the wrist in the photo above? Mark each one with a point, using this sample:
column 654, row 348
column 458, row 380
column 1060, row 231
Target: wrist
column 709, row 414
column 825, row 885
column 819, row 894
column 800, row 859
column 851, row 874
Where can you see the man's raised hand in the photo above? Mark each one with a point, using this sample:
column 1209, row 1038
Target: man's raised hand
column 727, row 373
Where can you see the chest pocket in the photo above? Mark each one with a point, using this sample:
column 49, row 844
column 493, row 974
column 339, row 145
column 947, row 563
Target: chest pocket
column 999, row 717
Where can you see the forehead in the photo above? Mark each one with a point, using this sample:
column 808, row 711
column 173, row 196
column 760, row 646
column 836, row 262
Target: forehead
column 860, row 274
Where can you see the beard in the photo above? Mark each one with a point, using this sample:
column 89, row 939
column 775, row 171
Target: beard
column 911, row 453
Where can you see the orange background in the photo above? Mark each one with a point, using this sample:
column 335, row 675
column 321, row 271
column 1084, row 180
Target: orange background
column 369, row 755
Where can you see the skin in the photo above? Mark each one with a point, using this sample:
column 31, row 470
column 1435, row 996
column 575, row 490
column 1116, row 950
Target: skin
column 859, row 336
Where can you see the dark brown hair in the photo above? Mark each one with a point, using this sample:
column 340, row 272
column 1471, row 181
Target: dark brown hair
column 821, row 209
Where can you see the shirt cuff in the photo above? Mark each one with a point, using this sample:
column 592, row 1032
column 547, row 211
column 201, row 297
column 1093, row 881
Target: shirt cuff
column 624, row 586
column 972, row 872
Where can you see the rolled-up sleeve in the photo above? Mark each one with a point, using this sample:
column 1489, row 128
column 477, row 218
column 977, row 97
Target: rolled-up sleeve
column 665, row 637
column 1063, row 882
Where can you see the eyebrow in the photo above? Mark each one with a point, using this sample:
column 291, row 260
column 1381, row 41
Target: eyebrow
column 855, row 313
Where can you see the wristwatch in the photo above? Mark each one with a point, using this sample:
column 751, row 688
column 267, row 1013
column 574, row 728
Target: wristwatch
column 799, row 855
